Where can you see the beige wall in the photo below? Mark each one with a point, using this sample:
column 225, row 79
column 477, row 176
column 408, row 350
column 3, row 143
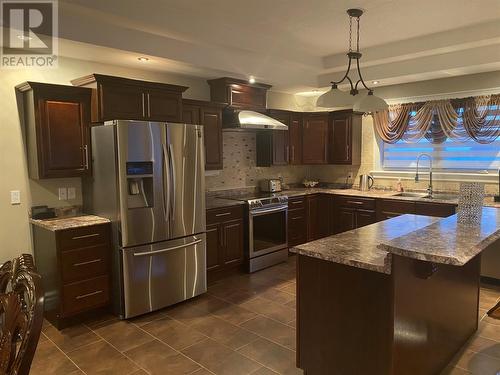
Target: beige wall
column 14, row 227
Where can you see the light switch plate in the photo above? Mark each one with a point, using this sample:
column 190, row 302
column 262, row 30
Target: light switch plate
column 63, row 194
column 15, row 197
column 71, row 193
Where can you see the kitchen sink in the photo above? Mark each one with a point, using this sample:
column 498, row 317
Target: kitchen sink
column 440, row 196
column 411, row 195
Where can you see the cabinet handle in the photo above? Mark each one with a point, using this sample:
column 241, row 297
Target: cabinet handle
column 86, row 152
column 223, row 214
column 287, row 153
column 296, row 202
column 89, row 294
column 293, row 153
column 149, row 106
column 88, row 262
column 143, row 105
column 86, row 236
column 354, row 202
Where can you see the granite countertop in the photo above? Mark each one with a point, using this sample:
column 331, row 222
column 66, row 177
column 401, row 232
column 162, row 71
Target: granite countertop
column 452, row 198
column 359, row 247
column 370, row 247
column 69, row 222
column 452, row 242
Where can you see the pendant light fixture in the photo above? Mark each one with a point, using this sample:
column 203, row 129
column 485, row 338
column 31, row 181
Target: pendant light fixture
column 337, row 98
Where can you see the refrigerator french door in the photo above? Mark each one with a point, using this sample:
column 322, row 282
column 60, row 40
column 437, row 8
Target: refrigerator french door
column 149, row 181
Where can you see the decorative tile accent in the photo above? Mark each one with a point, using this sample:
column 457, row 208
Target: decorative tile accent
column 240, row 170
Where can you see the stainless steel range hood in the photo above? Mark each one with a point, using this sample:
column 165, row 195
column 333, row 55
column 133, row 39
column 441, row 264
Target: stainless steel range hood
column 250, row 120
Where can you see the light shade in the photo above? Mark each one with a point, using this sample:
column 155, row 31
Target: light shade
column 335, row 98
column 370, row 104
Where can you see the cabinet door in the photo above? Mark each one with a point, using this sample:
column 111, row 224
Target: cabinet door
column 315, row 139
column 63, row 145
column 211, row 119
column 163, row 106
column 346, row 219
column 122, row 102
column 341, row 140
column 317, row 213
column 190, row 114
column 214, row 259
column 280, row 147
column 434, row 209
column 365, row 217
column 233, row 241
column 295, row 139
column 297, row 227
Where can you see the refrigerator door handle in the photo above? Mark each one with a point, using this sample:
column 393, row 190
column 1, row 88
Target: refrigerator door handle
column 172, row 183
column 167, row 185
column 149, row 253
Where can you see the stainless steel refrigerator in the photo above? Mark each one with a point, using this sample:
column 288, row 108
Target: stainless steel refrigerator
column 149, row 180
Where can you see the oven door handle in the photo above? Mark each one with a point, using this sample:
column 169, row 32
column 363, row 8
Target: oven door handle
column 268, row 211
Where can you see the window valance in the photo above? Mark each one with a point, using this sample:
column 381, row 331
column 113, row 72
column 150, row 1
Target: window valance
column 476, row 118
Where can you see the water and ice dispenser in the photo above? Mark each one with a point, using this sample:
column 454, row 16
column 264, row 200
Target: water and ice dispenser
column 140, row 184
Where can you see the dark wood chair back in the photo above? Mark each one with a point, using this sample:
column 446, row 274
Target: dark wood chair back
column 21, row 314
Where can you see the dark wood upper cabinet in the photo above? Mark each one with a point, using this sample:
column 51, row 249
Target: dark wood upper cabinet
column 315, row 146
column 272, row 145
column 239, row 93
column 209, row 115
column 295, row 139
column 345, row 138
column 56, row 120
column 117, row 98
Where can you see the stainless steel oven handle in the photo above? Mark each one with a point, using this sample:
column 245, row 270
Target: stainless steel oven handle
column 259, row 212
column 166, row 250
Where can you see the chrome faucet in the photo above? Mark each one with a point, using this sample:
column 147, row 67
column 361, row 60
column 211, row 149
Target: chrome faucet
column 429, row 188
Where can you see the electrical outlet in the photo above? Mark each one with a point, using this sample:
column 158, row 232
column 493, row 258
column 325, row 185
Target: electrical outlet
column 71, row 193
column 63, row 194
column 15, row 197
column 349, row 175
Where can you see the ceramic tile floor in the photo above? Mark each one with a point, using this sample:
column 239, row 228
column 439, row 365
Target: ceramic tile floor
column 243, row 325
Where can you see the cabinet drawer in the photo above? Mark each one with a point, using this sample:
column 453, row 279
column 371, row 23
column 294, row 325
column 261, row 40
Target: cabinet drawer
column 84, row 263
column 83, row 237
column 296, row 203
column 218, row 215
column 85, row 295
column 356, row 202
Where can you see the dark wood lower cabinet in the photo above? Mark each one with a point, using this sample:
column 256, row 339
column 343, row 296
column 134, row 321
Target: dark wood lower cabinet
column 380, row 324
column 225, row 240
column 314, row 216
column 318, row 216
column 297, row 221
column 75, row 265
column 434, row 209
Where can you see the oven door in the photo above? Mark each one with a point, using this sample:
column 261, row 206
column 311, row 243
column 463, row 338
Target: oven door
column 267, row 230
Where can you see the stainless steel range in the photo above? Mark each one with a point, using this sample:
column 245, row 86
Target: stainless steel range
column 267, row 230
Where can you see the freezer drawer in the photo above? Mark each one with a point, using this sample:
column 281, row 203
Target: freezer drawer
column 162, row 274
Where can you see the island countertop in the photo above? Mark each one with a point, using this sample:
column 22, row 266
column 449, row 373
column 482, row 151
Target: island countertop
column 448, row 241
column 359, row 247
column 439, row 240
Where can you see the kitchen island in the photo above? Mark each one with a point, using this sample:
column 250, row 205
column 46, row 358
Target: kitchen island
column 396, row 297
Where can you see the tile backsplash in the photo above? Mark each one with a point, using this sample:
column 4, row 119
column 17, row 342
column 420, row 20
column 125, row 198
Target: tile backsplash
column 240, row 170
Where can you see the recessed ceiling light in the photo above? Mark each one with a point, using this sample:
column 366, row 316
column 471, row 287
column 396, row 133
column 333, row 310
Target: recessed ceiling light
column 143, row 59
column 251, row 79
column 23, row 37
column 375, row 82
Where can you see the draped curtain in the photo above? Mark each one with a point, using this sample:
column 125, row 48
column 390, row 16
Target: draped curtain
column 476, row 118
